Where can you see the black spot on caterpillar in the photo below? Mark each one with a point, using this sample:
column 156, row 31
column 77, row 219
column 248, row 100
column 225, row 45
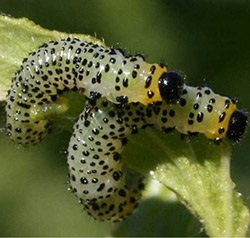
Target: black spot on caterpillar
column 112, row 84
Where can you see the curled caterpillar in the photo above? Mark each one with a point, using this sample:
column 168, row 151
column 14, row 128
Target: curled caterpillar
column 124, row 95
column 96, row 169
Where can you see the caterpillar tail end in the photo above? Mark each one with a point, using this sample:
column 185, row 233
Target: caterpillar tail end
column 115, row 210
column 28, row 134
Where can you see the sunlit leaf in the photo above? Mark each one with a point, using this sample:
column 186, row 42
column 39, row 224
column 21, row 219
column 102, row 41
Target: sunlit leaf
column 198, row 171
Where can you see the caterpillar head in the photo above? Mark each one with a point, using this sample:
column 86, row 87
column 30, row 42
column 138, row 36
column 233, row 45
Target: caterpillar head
column 171, row 86
column 237, row 125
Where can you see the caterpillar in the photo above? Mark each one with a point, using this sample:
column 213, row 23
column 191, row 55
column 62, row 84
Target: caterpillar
column 96, row 169
column 124, row 94
column 91, row 69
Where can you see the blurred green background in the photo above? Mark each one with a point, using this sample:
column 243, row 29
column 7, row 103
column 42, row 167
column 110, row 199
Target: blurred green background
column 206, row 40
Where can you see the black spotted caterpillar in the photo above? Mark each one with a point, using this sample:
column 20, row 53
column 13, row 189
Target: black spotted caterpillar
column 124, row 95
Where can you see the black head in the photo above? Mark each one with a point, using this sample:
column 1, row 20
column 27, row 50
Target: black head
column 171, row 86
column 237, row 125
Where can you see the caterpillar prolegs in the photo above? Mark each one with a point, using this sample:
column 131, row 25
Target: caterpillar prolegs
column 125, row 94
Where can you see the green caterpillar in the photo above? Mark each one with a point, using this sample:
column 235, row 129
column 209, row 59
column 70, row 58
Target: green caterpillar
column 124, row 94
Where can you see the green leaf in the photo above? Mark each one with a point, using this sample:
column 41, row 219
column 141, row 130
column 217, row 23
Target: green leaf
column 18, row 38
column 196, row 170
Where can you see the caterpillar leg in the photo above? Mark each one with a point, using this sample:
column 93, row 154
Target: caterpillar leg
column 96, row 169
